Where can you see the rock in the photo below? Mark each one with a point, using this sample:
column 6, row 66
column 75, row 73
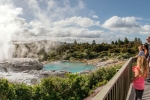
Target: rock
column 34, row 72
column 84, row 72
column 8, row 75
column 63, row 71
column 34, row 81
column 3, row 69
column 88, row 70
column 45, row 74
column 26, row 71
column 25, row 64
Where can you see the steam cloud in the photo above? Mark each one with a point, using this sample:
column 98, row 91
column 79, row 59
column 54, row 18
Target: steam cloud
column 8, row 26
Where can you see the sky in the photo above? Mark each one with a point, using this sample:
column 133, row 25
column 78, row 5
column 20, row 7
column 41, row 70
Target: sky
column 70, row 20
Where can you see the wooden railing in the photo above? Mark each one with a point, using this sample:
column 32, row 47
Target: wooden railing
column 117, row 88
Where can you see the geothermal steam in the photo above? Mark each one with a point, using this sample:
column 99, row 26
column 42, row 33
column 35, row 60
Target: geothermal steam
column 8, row 26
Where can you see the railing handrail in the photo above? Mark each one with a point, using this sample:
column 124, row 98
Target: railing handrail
column 103, row 94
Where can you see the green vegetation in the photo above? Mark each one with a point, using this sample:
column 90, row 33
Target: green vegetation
column 76, row 51
column 72, row 87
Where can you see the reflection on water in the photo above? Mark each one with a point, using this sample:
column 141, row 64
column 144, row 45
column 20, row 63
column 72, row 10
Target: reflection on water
column 68, row 66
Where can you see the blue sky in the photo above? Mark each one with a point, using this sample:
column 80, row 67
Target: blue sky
column 67, row 20
column 122, row 8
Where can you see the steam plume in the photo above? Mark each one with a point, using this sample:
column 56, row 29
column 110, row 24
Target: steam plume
column 8, row 26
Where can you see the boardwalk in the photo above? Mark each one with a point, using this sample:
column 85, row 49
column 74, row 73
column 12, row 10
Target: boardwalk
column 146, row 95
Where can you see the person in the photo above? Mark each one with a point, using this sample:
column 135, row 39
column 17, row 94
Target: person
column 141, row 52
column 140, row 73
column 148, row 41
column 145, row 49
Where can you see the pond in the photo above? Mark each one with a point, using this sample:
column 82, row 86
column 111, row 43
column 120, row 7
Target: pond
column 68, row 66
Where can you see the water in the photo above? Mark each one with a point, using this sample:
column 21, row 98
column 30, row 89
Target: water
column 68, row 66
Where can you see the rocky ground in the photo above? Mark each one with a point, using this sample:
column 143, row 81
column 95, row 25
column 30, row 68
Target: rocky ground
column 105, row 62
column 29, row 71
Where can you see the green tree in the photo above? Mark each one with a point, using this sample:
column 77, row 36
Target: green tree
column 139, row 41
column 126, row 41
column 112, row 42
column 135, row 41
column 75, row 42
column 93, row 42
column 119, row 42
column 116, row 43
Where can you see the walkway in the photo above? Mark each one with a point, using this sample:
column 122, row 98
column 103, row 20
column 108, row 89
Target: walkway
column 146, row 95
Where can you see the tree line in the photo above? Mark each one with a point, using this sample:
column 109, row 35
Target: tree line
column 76, row 51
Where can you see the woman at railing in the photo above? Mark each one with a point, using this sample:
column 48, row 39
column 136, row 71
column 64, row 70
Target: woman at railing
column 141, row 52
column 145, row 49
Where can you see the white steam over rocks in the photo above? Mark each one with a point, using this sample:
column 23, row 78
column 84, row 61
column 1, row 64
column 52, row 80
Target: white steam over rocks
column 26, row 70
column 22, row 64
column 33, row 49
column 13, row 70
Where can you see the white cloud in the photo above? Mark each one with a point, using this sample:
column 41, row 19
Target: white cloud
column 118, row 23
column 58, row 19
column 66, row 32
column 75, row 32
column 95, row 16
column 54, row 10
column 8, row 13
column 81, row 5
column 5, row 1
column 83, row 22
column 126, row 25
column 145, row 29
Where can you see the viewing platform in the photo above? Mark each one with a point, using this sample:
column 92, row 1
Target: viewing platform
column 120, row 86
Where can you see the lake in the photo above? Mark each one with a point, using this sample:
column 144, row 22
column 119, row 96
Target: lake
column 68, row 66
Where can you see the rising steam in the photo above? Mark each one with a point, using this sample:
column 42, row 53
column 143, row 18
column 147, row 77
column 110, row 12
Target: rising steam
column 8, row 27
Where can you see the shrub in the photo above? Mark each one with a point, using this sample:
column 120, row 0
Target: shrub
column 23, row 92
column 6, row 90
